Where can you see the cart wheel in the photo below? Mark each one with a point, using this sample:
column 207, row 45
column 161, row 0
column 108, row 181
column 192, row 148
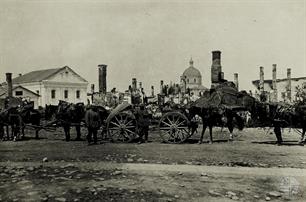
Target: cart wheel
column 173, row 127
column 122, row 127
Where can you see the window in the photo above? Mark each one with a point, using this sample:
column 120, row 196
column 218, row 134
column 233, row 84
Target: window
column 52, row 94
column 18, row 93
column 37, row 92
column 77, row 94
column 187, row 80
column 195, row 80
column 66, row 94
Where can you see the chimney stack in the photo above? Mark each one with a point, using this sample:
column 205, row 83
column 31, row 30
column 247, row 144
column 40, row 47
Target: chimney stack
column 161, row 86
column 274, row 84
column 9, row 84
column 92, row 88
column 102, row 78
column 152, row 91
column 216, row 68
column 261, row 80
column 289, row 84
column 134, row 84
column 140, row 85
column 236, row 81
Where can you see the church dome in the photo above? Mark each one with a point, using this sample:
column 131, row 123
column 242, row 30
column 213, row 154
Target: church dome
column 191, row 71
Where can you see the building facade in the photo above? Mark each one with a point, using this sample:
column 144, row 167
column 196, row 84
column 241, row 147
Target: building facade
column 53, row 85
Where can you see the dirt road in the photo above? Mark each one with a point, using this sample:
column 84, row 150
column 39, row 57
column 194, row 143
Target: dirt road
column 252, row 168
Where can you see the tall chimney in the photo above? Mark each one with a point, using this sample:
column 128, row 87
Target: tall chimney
column 102, row 78
column 274, row 84
column 161, row 86
column 140, row 85
column 92, row 88
column 289, row 84
column 216, row 68
column 9, row 84
column 261, row 80
column 134, row 84
column 152, row 91
column 236, row 81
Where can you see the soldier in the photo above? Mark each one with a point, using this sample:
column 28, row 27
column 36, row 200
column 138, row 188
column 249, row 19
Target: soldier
column 143, row 124
column 278, row 124
column 93, row 123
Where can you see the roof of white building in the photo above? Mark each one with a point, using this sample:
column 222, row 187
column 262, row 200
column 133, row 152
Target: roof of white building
column 40, row 75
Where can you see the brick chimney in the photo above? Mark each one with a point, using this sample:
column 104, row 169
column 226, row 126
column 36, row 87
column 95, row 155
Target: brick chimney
column 134, row 84
column 261, row 80
column 216, row 68
column 161, row 86
column 102, row 78
column 9, row 84
column 289, row 84
column 140, row 85
column 236, row 80
column 274, row 83
column 152, row 91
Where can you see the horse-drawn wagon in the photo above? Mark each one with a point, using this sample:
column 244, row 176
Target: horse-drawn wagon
column 176, row 123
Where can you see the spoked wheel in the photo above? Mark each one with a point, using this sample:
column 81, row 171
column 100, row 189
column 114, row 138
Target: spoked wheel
column 122, row 127
column 173, row 127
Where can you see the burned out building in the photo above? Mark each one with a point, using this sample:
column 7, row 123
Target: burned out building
column 278, row 89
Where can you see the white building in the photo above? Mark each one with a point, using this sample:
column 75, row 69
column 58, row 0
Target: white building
column 53, row 85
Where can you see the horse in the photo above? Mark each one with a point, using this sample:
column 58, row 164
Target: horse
column 29, row 115
column 70, row 114
column 216, row 116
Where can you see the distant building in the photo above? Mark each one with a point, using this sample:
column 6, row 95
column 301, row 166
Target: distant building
column 53, row 85
column 191, row 80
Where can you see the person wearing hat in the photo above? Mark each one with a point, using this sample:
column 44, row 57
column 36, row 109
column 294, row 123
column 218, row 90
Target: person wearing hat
column 93, row 123
column 143, row 122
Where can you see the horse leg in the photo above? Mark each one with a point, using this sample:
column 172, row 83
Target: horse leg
column 7, row 132
column 67, row 133
column 202, row 134
column 210, row 134
column 22, row 131
column 1, row 132
column 36, row 133
column 302, row 140
column 231, row 128
column 78, row 130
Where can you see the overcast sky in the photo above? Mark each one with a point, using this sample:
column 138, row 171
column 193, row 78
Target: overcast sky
column 153, row 40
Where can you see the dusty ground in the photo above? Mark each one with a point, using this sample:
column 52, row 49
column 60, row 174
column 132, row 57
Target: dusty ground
column 77, row 172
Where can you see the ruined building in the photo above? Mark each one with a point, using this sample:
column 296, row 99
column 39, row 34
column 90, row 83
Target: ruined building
column 278, row 90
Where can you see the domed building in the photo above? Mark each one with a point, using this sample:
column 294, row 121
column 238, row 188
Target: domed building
column 191, row 80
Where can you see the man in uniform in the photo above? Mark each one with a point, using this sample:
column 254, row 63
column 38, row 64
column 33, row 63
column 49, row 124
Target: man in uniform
column 143, row 124
column 93, row 123
column 278, row 124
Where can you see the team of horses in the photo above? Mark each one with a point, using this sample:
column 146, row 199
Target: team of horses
column 250, row 113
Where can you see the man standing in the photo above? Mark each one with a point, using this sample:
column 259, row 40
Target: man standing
column 143, row 123
column 93, row 123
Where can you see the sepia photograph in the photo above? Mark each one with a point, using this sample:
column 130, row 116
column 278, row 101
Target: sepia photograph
column 152, row 100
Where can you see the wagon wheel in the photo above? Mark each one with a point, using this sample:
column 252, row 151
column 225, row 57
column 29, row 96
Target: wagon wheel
column 122, row 127
column 173, row 127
